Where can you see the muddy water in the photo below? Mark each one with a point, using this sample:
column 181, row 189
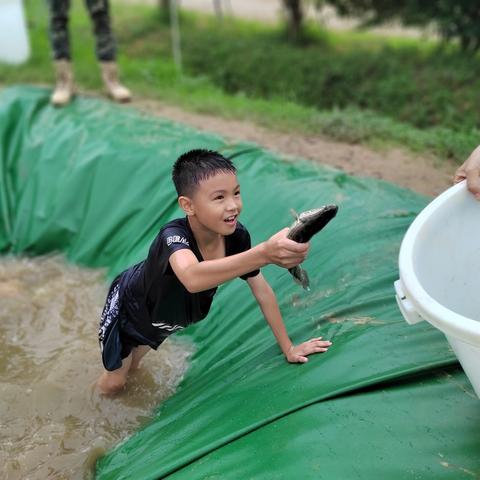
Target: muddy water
column 53, row 424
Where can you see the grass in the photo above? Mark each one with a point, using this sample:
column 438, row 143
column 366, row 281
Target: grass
column 238, row 70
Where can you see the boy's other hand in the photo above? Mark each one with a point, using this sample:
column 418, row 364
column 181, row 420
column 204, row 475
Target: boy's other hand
column 284, row 252
column 298, row 353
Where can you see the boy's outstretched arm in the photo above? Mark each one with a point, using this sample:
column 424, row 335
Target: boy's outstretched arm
column 198, row 276
column 269, row 306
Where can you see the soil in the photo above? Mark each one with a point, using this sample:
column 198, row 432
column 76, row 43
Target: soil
column 421, row 173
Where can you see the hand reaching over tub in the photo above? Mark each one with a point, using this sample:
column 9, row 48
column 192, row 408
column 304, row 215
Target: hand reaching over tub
column 470, row 171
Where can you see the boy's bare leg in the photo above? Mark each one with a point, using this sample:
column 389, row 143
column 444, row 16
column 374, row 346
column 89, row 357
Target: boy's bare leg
column 137, row 354
column 113, row 382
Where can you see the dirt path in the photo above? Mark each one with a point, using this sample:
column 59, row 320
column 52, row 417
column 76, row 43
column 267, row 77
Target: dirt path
column 422, row 174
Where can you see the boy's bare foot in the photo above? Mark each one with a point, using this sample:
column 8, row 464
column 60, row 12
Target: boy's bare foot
column 111, row 383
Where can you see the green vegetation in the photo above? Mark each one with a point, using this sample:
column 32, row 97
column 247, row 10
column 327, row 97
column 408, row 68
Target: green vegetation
column 353, row 87
column 454, row 19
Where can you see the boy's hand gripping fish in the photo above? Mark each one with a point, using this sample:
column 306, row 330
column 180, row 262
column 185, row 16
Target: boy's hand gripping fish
column 306, row 225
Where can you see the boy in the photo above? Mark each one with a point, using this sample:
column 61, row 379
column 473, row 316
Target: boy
column 188, row 259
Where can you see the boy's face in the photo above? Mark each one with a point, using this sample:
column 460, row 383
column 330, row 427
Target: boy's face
column 216, row 203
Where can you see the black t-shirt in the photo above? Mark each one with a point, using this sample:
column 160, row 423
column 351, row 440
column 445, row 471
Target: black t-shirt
column 154, row 301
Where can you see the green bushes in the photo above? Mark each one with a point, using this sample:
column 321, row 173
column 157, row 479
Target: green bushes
column 424, row 86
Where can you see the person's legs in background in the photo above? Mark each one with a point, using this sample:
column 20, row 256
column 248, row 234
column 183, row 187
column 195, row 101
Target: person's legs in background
column 106, row 49
column 60, row 42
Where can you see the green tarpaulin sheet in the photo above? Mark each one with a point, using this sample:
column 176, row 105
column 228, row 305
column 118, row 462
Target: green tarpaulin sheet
column 387, row 401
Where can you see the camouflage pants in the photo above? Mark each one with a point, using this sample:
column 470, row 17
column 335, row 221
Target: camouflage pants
column 99, row 14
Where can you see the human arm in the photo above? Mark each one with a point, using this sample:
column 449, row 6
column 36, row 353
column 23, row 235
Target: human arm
column 470, row 170
column 198, row 276
column 267, row 301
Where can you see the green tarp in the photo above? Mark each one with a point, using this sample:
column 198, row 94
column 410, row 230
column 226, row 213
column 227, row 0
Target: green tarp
column 387, row 401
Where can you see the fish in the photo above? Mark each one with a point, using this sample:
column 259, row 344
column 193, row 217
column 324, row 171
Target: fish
column 305, row 226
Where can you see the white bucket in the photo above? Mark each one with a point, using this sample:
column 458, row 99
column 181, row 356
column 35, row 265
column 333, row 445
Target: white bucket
column 14, row 45
column 439, row 281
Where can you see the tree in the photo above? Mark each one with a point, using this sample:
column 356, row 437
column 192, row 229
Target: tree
column 164, row 7
column 454, row 19
column 294, row 17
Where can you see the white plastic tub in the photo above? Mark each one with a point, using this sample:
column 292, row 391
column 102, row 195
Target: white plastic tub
column 14, row 44
column 439, row 281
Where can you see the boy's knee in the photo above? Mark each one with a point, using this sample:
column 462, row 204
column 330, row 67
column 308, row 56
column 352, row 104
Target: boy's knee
column 111, row 384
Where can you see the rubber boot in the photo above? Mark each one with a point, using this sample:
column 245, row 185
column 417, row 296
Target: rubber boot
column 63, row 91
column 115, row 89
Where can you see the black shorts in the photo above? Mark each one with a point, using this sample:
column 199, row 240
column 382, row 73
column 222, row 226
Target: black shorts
column 115, row 345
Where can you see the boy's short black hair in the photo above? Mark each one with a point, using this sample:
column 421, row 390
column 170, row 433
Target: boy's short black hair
column 197, row 165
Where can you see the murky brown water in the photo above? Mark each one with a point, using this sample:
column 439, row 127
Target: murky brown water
column 53, row 424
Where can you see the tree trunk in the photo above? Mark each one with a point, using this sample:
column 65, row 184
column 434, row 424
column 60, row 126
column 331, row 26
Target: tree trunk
column 295, row 17
column 164, row 7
